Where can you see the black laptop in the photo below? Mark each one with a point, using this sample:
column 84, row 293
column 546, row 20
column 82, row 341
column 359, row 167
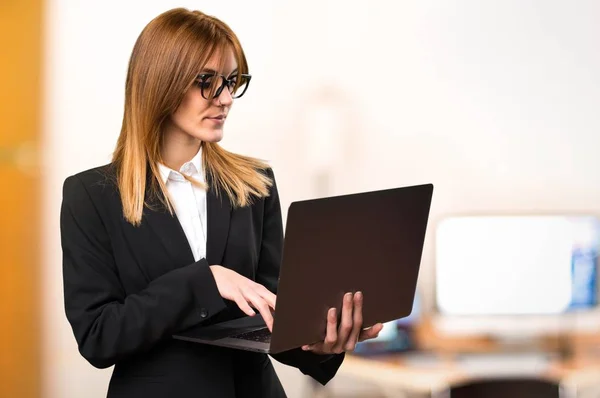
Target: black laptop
column 370, row 242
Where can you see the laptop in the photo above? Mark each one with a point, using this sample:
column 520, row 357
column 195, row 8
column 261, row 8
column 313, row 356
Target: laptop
column 370, row 242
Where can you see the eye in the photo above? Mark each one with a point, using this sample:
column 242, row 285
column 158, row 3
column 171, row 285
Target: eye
column 205, row 81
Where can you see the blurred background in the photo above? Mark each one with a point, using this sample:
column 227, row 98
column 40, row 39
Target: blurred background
column 494, row 102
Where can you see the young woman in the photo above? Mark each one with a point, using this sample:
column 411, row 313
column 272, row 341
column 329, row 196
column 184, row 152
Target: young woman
column 177, row 231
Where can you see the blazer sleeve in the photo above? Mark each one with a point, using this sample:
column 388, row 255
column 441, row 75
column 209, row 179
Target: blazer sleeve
column 108, row 324
column 320, row 367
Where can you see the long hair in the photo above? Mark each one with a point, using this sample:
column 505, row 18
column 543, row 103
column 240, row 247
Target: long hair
column 165, row 61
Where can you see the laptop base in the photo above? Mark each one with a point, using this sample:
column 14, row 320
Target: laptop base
column 223, row 334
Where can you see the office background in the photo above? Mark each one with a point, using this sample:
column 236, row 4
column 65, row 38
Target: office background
column 495, row 102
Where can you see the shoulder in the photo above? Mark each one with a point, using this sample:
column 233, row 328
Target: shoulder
column 267, row 171
column 96, row 182
column 272, row 198
column 269, row 175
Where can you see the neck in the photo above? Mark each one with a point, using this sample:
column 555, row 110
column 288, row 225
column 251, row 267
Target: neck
column 178, row 148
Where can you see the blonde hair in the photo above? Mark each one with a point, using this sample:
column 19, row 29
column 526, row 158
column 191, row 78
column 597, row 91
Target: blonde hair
column 165, row 61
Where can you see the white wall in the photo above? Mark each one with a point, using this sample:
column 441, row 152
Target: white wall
column 494, row 102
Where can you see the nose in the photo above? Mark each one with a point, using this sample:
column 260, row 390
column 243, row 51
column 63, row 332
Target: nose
column 225, row 98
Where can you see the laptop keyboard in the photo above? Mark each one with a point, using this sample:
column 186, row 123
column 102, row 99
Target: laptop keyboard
column 260, row 335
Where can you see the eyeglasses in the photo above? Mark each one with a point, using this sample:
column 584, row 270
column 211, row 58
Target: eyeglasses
column 210, row 88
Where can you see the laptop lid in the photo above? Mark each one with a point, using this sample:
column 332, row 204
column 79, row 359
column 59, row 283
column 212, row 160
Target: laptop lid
column 370, row 242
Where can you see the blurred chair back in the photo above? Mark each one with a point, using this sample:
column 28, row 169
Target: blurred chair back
column 506, row 388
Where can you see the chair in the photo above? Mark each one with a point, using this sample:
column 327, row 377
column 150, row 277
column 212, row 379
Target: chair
column 506, row 387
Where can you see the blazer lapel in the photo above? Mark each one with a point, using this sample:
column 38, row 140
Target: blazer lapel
column 168, row 229
column 172, row 236
column 218, row 213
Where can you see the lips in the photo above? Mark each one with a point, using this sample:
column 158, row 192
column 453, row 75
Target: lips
column 218, row 117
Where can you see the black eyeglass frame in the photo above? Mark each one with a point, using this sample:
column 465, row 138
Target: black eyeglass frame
column 230, row 83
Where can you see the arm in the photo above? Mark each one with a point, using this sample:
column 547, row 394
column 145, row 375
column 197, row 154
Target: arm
column 320, row 367
column 108, row 324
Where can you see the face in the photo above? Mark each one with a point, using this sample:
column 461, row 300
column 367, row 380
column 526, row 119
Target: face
column 198, row 119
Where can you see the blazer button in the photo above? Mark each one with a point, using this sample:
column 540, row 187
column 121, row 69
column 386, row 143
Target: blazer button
column 203, row 312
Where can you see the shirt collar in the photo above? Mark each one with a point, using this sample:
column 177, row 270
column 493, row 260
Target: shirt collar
column 189, row 168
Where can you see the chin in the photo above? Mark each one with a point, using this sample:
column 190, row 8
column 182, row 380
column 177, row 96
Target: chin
column 211, row 136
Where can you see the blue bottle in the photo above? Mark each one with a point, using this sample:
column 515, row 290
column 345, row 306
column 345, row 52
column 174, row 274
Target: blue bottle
column 584, row 277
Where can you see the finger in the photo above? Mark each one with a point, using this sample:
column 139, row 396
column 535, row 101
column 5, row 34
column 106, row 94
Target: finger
column 371, row 332
column 261, row 305
column 326, row 345
column 317, row 347
column 345, row 327
column 267, row 295
column 357, row 320
column 331, row 334
column 243, row 304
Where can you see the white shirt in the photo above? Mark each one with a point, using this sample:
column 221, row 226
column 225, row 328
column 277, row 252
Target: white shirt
column 189, row 202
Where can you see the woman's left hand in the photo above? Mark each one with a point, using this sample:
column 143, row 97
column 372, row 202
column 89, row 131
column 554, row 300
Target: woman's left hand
column 350, row 331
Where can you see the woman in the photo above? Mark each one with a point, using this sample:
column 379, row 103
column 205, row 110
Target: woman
column 176, row 231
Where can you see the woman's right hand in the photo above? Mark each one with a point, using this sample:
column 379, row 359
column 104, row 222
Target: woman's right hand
column 245, row 292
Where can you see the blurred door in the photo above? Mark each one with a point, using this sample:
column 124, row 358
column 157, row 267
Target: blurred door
column 20, row 106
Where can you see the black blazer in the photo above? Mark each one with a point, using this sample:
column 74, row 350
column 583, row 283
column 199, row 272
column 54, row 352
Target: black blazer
column 128, row 289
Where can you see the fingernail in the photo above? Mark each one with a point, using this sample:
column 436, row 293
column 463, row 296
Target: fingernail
column 348, row 296
column 332, row 311
column 358, row 295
